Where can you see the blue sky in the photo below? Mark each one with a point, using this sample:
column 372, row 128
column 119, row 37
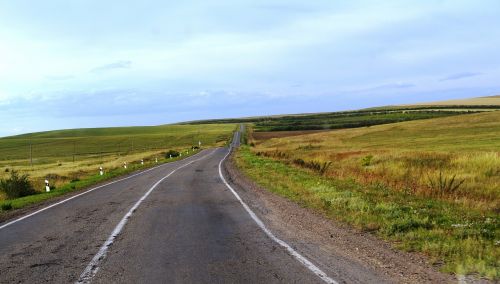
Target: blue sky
column 71, row 64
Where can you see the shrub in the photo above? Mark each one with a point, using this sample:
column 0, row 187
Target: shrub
column 17, row 185
column 6, row 206
column 367, row 160
column 6, row 170
column 172, row 153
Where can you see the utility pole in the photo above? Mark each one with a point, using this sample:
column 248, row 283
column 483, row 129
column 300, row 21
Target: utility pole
column 31, row 154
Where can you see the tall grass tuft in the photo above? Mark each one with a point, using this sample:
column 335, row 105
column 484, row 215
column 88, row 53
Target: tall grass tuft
column 444, row 185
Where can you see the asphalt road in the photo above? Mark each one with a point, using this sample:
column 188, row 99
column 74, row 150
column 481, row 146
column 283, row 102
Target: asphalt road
column 177, row 223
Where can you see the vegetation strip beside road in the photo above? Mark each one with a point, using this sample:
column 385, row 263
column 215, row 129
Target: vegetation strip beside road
column 461, row 237
column 7, row 207
column 430, row 186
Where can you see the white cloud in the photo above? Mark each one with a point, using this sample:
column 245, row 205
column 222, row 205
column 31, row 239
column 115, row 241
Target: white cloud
column 242, row 51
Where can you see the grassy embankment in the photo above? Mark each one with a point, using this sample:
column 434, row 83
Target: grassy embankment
column 53, row 154
column 431, row 186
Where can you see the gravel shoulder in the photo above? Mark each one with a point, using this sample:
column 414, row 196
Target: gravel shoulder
column 347, row 254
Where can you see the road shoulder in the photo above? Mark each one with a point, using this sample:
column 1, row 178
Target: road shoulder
column 340, row 249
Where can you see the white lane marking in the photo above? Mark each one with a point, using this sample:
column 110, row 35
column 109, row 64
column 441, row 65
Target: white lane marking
column 80, row 194
column 93, row 266
column 309, row 265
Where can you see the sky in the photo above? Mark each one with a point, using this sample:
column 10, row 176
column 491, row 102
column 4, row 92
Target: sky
column 88, row 63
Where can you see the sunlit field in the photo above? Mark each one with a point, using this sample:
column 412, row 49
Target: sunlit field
column 430, row 185
column 75, row 155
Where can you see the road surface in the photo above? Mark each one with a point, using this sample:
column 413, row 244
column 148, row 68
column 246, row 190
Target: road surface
column 179, row 223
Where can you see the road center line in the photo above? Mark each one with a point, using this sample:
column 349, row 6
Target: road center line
column 93, row 266
column 85, row 192
column 309, row 265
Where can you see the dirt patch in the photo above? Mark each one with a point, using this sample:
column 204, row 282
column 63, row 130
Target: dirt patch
column 339, row 249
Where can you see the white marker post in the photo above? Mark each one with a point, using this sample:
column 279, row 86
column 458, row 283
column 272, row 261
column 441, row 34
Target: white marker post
column 199, row 143
column 101, row 172
column 156, row 160
column 124, row 165
column 47, row 187
column 170, row 156
column 142, row 161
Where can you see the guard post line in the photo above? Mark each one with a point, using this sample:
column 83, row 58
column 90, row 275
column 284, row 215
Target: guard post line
column 47, row 187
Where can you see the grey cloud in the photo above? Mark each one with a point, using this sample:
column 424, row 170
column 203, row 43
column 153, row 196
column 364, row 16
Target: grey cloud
column 122, row 64
column 459, row 76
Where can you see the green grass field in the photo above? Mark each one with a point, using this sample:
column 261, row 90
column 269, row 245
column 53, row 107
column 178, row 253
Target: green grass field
column 62, row 144
column 70, row 159
column 429, row 185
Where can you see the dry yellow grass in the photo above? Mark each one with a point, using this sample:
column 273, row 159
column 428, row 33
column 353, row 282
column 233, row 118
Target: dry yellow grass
column 414, row 157
column 491, row 100
column 66, row 171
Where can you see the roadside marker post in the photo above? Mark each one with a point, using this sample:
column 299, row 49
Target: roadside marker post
column 170, row 156
column 156, row 160
column 101, row 172
column 124, row 165
column 142, row 161
column 47, row 187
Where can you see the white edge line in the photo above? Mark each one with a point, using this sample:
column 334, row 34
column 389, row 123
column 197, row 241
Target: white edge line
column 85, row 192
column 93, row 266
column 309, row 265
